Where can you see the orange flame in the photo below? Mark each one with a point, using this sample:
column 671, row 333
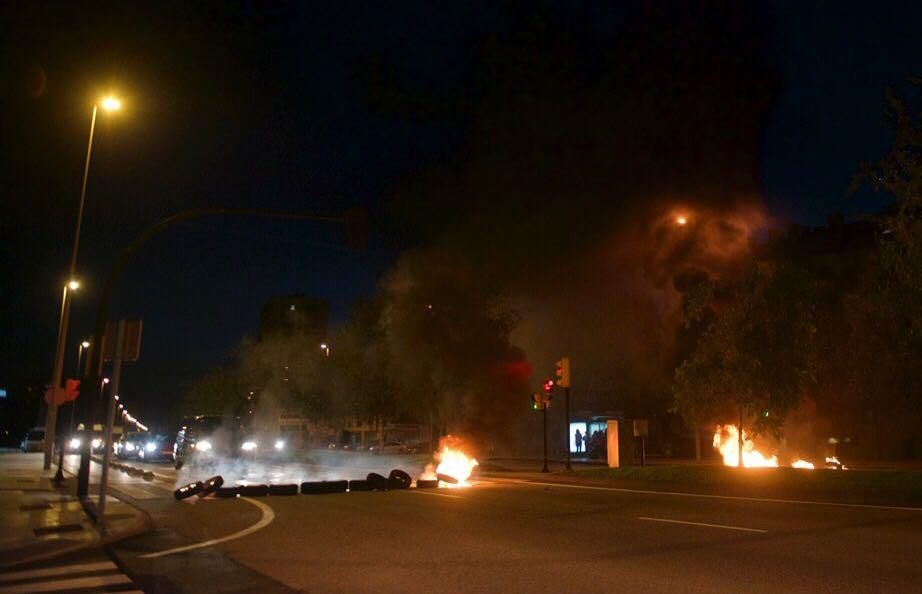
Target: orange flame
column 726, row 441
column 453, row 462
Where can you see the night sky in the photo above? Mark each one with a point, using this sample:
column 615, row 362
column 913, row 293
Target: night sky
column 285, row 106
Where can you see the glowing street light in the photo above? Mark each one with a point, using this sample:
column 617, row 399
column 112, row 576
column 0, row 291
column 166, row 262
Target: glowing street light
column 85, row 344
column 111, row 103
column 73, row 285
column 681, row 220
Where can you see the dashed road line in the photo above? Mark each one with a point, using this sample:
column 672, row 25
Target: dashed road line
column 703, row 524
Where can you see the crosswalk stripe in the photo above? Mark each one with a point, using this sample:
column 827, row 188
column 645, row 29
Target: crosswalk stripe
column 70, row 584
column 53, row 571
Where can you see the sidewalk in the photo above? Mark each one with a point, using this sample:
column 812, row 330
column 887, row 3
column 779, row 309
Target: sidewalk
column 40, row 521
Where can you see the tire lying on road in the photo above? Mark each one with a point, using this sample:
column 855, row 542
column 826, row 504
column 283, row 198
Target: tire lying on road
column 447, row 479
column 323, row 487
column 377, row 482
column 399, row 479
column 189, row 490
column 360, row 485
column 227, row 491
column 211, row 485
column 283, row 489
column 427, row 483
column 253, row 490
column 148, row 476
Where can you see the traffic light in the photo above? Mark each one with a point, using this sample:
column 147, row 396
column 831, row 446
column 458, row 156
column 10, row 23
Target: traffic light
column 563, row 372
column 536, row 402
column 548, row 386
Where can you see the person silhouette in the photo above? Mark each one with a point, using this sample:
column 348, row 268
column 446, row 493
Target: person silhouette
column 578, row 437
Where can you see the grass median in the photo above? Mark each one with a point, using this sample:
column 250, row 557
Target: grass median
column 880, row 487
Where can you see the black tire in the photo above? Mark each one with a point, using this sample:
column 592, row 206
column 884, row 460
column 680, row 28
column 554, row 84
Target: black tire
column 227, row 491
column 427, row 483
column 447, row 479
column 189, row 490
column 253, row 490
column 377, row 482
column 211, row 485
column 399, row 479
column 148, row 476
column 323, row 487
column 360, row 485
column 277, row 490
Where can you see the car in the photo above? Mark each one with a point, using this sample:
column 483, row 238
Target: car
column 128, row 446
column 202, row 439
column 34, row 440
column 390, row 447
column 157, row 448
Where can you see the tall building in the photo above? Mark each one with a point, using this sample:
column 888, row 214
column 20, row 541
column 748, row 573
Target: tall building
column 294, row 315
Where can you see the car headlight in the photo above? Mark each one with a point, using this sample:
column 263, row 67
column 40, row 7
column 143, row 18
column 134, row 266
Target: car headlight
column 129, row 447
column 150, row 447
column 74, row 444
column 202, row 446
column 248, row 446
column 96, row 443
column 279, row 444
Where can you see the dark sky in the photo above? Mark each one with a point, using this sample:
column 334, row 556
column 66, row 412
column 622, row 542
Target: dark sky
column 282, row 105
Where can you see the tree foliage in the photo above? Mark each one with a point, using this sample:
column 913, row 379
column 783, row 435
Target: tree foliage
column 756, row 355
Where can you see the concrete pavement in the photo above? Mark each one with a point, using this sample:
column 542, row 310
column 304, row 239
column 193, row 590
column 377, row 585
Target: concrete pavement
column 41, row 521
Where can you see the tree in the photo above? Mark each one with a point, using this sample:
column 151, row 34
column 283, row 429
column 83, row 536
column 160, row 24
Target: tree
column 755, row 358
column 899, row 173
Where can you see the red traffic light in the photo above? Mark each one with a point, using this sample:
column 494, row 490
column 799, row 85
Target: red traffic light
column 548, row 385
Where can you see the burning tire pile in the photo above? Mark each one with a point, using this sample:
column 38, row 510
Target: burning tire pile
column 396, row 480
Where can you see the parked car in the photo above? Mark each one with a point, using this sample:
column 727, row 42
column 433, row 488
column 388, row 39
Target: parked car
column 130, row 444
column 390, row 447
column 157, row 448
column 34, row 440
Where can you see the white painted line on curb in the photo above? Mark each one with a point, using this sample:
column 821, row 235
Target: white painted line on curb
column 265, row 520
column 52, row 571
column 705, row 496
column 740, row 528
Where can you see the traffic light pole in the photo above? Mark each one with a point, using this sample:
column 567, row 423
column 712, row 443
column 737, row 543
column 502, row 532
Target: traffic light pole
column 566, row 393
column 544, row 420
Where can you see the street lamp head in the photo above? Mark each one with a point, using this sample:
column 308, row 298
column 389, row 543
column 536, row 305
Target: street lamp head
column 105, row 380
column 681, row 220
column 110, row 103
column 73, row 285
column 85, row 344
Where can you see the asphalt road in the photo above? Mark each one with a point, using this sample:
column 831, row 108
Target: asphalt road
column 519, row 538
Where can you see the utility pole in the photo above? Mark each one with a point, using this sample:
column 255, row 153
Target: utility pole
column 110, row 420
column 544, row 421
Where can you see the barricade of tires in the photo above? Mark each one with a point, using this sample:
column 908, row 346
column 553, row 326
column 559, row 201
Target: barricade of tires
column 396, row 480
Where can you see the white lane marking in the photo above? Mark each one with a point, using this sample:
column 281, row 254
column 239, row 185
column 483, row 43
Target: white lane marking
column 52, row 571
column 740, row 528
column 71, row 584
column 702, row 495
column 265, row 520
column 438, row 494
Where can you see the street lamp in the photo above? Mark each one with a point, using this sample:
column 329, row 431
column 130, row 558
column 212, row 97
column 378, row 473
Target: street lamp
column 325, row 348
column 51, row 420
column 681, row 220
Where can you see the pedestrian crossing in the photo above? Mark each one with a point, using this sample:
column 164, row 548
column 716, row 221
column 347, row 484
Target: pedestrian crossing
column 93, row 574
